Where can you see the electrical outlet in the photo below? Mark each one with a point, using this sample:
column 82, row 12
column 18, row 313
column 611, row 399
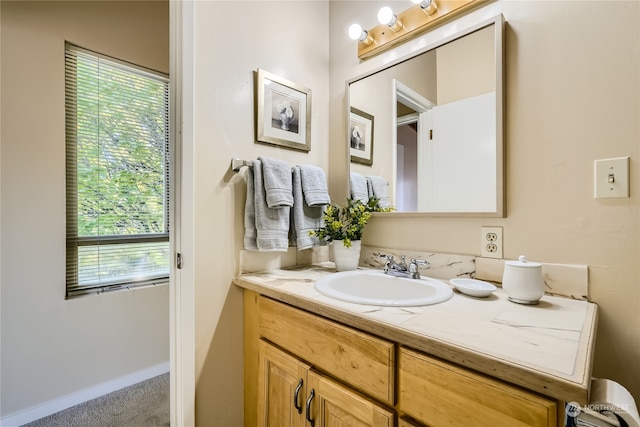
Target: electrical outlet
column 491, row 242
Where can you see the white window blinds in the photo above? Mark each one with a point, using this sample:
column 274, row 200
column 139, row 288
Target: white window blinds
column 117, row 139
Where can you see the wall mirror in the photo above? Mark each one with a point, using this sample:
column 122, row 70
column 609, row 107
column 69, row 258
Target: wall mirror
column 437, row 121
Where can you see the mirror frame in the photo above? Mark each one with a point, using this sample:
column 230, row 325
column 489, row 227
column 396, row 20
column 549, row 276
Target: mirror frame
column 500, row 209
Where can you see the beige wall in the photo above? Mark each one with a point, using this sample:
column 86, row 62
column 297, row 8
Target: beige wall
column 467, row 67
column 572, row 96
column 232, row 40
column 51, row 347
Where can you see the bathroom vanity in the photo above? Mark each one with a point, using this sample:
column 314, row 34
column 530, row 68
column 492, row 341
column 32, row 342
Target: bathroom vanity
column 465, row 361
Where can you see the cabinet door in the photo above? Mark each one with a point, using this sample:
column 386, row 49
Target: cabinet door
column 406, row 423
column 335, row 405
column 441, row 394
column 281, row 388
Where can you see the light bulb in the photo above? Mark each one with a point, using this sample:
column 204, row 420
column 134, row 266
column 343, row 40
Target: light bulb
column 355, row 31
column 386, row 16
column 428, row 6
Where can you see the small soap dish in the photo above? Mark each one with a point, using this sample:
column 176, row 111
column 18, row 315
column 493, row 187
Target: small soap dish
column 473, row 287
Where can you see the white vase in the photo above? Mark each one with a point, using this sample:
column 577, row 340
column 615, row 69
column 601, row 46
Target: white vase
column 346, row 258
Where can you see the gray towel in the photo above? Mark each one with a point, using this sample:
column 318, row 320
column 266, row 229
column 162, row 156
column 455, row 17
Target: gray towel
column 272, row 224
column 314, row 186
column 277, row 182
column 379, row 186
column 250, row 214
column 305, row 217
column 358, row 185
column 369, row 187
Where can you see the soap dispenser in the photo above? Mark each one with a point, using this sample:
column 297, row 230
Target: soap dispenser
column 523, row 281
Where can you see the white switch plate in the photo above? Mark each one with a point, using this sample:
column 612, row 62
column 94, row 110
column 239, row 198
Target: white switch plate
column 491, row 242
column 611, row 178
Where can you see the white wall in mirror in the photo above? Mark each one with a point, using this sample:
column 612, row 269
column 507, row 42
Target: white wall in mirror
column 460, row 162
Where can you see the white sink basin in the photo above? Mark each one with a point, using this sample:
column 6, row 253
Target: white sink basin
column 373, row 287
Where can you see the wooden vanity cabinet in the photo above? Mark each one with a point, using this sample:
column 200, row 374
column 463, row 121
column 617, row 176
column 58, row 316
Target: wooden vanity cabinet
column 353, row 376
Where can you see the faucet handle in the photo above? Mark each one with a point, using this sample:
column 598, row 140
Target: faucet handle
column 388, row 258
column 413, row 267
column 388, row 262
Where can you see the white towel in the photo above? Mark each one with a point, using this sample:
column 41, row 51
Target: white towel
column 314, row 186
column 272, row 224
column 305, row 217
column 379, row 187
column 250, row 214
column 358, row 185
column 277, row 182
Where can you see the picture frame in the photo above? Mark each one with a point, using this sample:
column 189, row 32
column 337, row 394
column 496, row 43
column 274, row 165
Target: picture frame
column 361, row 136
column 283, row 112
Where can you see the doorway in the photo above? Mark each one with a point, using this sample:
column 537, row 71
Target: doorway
column 413, row 131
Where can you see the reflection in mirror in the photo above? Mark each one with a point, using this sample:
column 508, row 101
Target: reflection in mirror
column 437, row 126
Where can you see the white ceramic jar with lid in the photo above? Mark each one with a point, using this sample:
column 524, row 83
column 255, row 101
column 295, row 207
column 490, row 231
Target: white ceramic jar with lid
column 523, row 281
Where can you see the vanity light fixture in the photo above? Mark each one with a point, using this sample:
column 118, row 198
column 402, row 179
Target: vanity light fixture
column 357, row 33
column 390, row 19
column 428, row 6
column 424, row 14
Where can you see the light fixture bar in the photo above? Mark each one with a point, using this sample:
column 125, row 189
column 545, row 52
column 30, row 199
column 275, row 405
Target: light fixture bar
column 414, row 21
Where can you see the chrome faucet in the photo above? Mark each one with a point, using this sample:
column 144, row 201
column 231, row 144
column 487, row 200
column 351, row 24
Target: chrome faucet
column 393, row 268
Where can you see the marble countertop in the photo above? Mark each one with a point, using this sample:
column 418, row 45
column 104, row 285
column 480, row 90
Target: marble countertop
column 547, row 348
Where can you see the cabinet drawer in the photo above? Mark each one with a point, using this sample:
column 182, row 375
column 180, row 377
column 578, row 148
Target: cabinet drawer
column 363, row 361
column 438, row 393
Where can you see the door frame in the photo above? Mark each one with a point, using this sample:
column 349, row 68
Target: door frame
column 409, row 97
column 182, row 283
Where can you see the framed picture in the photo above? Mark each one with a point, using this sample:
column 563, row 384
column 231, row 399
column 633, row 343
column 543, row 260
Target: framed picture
column 361, row 136
column 283, row 112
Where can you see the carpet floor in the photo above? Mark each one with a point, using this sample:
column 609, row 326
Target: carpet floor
column 145, row 404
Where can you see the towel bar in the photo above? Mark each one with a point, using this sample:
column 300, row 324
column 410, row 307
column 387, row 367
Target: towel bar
column 236, row 164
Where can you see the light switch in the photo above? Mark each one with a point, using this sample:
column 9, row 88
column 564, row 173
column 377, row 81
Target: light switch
column 611, row 178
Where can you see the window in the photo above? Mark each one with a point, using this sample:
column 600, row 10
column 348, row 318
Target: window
column 117, row 151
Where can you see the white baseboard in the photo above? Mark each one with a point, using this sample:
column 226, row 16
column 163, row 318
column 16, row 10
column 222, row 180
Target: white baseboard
column 73, row 399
